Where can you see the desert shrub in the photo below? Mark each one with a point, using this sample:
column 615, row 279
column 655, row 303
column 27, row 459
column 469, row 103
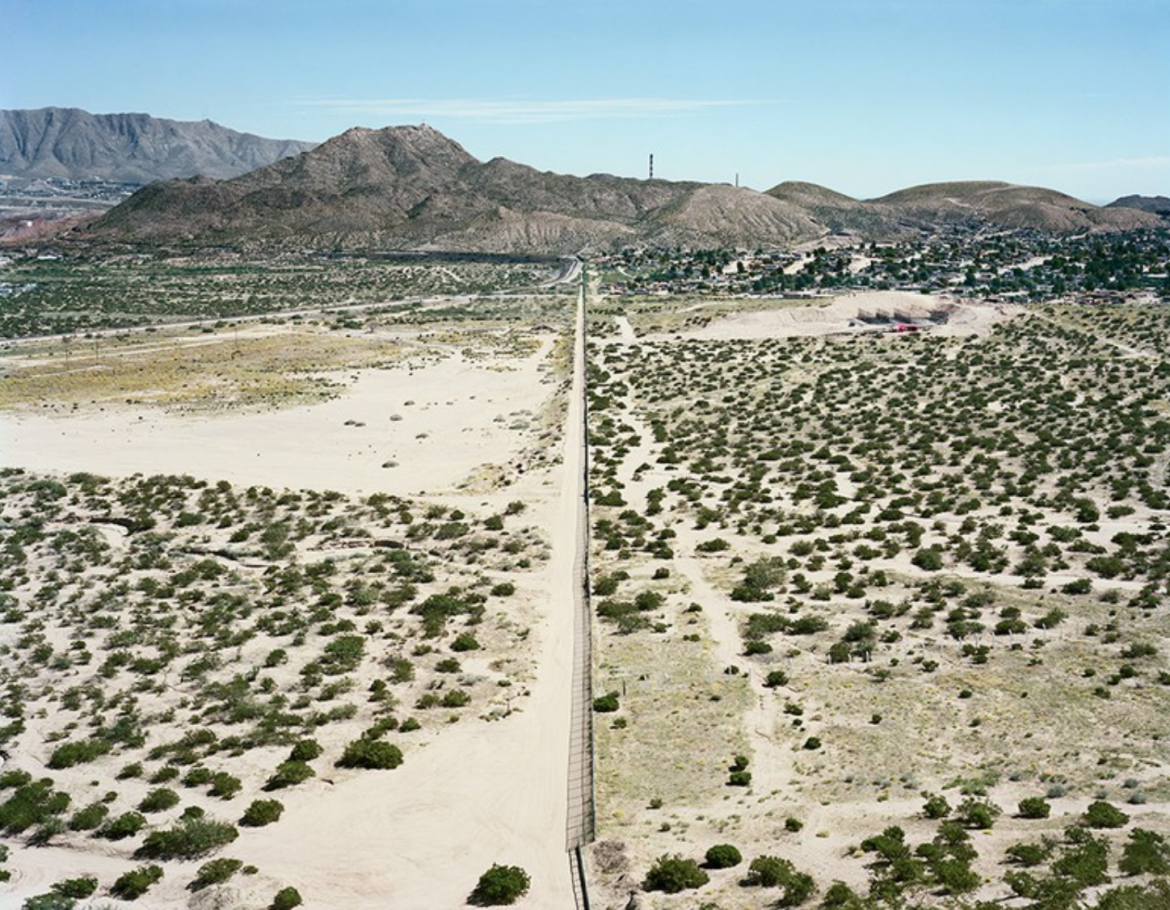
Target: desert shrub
column 134, row 884
column 1153, row 895
column 936, row 807
column 31, row 804
column 262, row 812
column 125, row 825
column 371, row 754
column 1146, row 852
column 1028, row 854
column 499, row 886
column 288, row 774
column 50, row 901
column 190, row 839
column 456, row 698
column 673, row 874
column 1101, row 814
column 722, row 856
column 225, row 785
column 305, row 750
column 159, row 800
column 928, row 559
column 215, row 872
column 503, row 589
column 775, row 678
column 739, row 778
column 977, row 813
column 286, row 899
column 606, row 703
column 768, row 872
column 76, row 888
column 88, row 818
column 464, row 642
column 840, row 895
column 1085, row 860
column 1034, row 807
column 77, row 753
column 10, row 780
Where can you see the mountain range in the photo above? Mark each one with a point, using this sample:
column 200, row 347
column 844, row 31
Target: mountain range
column 73, row 144
column 411, row 187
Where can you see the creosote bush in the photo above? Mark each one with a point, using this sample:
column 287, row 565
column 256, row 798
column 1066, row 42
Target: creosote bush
column 722, row 856
column 262, row 812
column 134, row 884
column 499, row 886
column 370, row 754
column 286, row 899
column 673, row 874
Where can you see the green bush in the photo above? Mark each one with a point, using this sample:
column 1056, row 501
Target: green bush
column 499, row 886
column 305, row 750
column 70, row 754
column 262, row 812
column 607, row 703
column 286, row 899
column 31, row 804
column 225, row 785
column 776, row 678
column 159, row 800
column 456, row 698
column 76, row 888
column 125, row 825
column 673, row 874
column 215, row 872
column 50, row 901
column 465, row 642
column 1146, row 852
column 190, row 839
column 288, row 774
column 134, row 884
column 739, row 778
column 768, row 872
column 1034, row 807
column 371, row 754
column 936, row 807
column 88, row 818
column 722, row 856
column 975, row 813
column 1028, row 854
column 1101, row 814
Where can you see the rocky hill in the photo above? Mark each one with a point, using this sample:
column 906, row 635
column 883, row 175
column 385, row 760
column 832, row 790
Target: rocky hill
column 971, row 205
column 1155, row 205
column 128, row 148
column 412, row 187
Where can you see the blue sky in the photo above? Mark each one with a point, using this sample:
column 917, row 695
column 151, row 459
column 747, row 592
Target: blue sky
column 864, row 96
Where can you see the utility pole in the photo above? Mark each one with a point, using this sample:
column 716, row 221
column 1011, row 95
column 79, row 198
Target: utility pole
column 651, row 165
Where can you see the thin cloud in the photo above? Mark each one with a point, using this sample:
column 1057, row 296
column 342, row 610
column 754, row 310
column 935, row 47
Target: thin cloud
column 519, row 112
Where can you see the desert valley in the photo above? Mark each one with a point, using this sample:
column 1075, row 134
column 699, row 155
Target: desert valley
column 385, row 528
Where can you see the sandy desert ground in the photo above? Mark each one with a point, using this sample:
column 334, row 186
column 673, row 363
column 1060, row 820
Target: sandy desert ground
column 752, row 442
column 458, row 423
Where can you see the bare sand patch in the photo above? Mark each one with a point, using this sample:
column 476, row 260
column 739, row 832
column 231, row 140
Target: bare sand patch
column 402, row 429
column 845, row 315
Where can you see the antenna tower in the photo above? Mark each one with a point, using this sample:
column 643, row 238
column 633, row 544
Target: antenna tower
column 651, row 165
